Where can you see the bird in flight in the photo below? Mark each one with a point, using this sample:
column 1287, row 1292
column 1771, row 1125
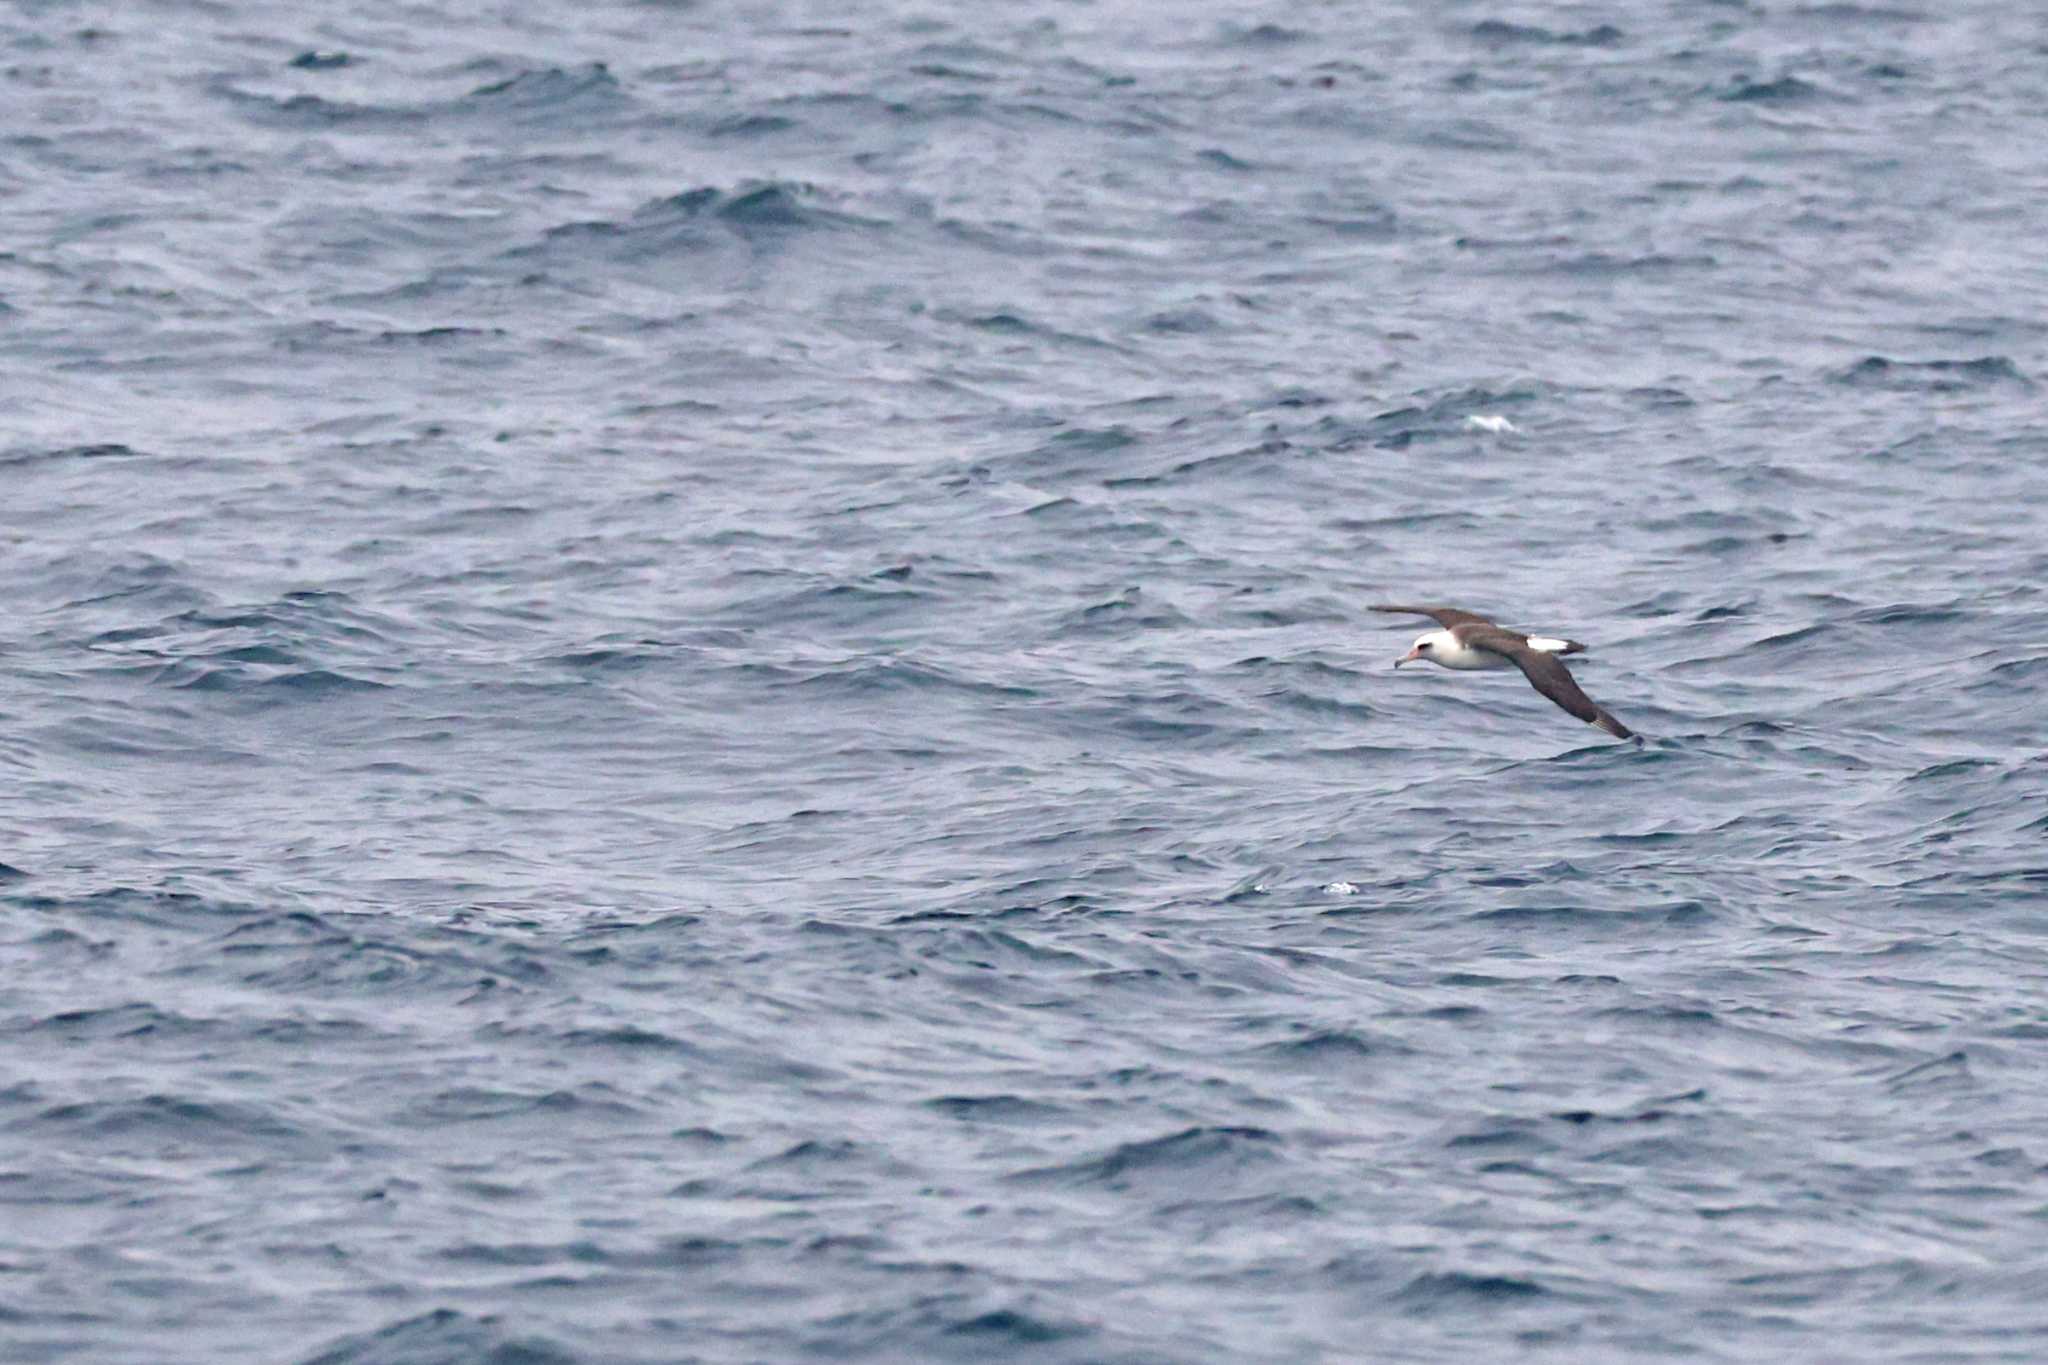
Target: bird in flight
column 1469, row 641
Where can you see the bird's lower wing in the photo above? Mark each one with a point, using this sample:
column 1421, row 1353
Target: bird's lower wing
column 1554, row 681
column 1443, row 616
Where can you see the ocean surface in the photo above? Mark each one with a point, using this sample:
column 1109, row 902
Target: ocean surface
column 692, row 682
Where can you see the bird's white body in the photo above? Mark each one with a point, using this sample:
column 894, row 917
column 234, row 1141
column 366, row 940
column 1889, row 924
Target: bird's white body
column 1442, row 647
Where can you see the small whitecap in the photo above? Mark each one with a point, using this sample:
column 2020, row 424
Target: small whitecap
column 1490, row 422
column 1340, row 889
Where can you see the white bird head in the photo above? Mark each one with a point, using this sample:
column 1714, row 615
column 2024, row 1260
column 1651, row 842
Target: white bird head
column 1426, row 644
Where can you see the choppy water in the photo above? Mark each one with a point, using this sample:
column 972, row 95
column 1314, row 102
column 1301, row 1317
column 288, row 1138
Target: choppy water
column 689, row 682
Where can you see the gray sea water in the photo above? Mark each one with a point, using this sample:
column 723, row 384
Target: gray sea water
column 691, row 682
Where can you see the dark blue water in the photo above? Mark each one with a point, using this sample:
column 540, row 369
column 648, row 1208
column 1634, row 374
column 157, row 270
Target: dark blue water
column 690, row 682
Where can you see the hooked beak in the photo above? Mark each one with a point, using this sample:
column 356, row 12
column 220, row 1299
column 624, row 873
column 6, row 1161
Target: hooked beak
column 1409, row 657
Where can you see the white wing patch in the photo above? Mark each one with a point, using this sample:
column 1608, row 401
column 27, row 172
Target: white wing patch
column 1543, row 644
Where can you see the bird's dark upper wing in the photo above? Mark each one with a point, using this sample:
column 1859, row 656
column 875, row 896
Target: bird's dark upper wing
column 1548, row 675
column 1444, row 616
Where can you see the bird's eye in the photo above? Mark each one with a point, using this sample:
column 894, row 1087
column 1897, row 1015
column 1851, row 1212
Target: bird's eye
column 1423, row 645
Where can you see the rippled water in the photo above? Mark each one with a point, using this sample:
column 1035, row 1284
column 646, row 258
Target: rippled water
column 690, row 682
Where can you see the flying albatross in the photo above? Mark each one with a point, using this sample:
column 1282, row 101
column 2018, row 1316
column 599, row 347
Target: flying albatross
column 1469, row 641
